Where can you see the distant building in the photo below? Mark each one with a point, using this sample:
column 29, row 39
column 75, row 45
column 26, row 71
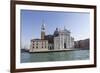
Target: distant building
column 82, row 44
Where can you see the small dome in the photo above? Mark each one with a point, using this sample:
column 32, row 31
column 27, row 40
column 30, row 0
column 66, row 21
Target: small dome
column 56, row 32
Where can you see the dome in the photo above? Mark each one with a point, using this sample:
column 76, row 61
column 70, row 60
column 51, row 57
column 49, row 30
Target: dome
column 56, row 32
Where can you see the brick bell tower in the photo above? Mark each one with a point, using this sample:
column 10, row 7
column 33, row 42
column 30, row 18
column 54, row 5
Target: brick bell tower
column 42, row 30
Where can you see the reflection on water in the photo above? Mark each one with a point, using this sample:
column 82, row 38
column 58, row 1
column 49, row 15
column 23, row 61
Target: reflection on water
column 55, row 56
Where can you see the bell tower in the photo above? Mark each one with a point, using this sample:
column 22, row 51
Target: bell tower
column 42, row 30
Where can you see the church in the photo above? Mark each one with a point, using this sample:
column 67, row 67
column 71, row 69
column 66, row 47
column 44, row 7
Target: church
column 59, row 40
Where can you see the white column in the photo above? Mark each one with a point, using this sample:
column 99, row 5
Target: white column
column 60, row 41
column 70, row 41
column 63, row 41
column 66, row 41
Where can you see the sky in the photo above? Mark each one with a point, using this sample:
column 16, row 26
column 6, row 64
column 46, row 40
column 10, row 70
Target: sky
column 78, row 23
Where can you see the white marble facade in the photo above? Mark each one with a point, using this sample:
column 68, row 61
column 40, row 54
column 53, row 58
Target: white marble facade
column 63, row 40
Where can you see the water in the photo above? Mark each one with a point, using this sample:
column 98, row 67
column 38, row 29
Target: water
column 54, row 56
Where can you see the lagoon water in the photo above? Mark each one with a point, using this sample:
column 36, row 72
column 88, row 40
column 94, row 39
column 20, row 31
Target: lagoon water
column 55, row 56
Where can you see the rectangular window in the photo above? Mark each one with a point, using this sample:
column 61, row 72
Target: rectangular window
column 36, row 46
